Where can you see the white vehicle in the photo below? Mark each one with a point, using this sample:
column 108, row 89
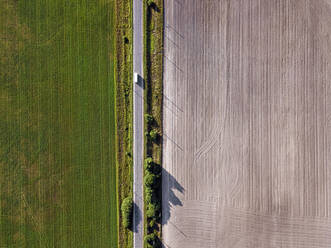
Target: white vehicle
column 135, row 77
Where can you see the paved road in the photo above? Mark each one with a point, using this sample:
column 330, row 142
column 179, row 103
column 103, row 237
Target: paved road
column 138, row 124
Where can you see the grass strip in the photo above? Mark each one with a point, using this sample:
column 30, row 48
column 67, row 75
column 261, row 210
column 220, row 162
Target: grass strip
column 124, row 108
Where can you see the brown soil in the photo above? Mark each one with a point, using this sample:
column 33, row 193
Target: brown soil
column 247, row 124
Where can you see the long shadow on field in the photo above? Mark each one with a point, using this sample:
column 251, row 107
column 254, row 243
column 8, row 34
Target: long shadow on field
column 169, row 199
column 137, row 217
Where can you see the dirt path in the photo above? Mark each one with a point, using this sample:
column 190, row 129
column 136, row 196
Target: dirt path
column 247, row 124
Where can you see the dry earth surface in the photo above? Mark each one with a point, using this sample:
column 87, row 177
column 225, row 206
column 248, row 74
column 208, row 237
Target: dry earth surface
column 247, row 124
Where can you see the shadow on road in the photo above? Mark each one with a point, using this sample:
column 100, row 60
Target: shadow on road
column 137, row 217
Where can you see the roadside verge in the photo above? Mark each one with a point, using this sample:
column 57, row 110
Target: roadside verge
column 124, row 107
column 153, row 71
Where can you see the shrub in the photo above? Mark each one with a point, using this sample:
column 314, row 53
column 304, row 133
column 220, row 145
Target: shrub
column 151, row 211
column 149, row 164
column 151, row 223
column 154, row 135
column 152, row 167
column 152, row 241
column 150, row 2
column 150, row 180
column 149, row 195
column 127, row 212
column 149, row 119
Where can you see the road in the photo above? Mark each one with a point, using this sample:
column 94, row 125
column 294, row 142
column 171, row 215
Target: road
column 138, row 124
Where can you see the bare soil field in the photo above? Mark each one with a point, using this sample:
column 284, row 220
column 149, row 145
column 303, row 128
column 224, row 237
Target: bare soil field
column 247, row 124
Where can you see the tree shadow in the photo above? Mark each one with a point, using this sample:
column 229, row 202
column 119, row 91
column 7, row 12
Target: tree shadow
column 169, row 198
column 154, row 7
column 137, row 217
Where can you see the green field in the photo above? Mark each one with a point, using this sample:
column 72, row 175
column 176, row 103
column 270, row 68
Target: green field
column 57, row 124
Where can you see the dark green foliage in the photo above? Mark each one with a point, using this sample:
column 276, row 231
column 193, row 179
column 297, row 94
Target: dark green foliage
column 127, row 212
column 154, row 135
column 152, row 241
column 150, row 180
column 150, row 2
column 151, row 223
column 149, row 195
column 149, row 119
column 152, row 183
column 152, row 5
column 149, row 164
column 151, row 210
column 152, row 167
column 157, row 169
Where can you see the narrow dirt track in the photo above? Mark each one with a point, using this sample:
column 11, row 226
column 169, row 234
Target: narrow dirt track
column 247, row 124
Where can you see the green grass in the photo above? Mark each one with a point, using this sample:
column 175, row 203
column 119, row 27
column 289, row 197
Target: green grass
column 153, row 66
column 57, row 124
column 124, row 107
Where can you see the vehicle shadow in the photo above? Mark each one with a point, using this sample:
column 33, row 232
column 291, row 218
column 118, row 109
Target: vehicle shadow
column 137, row 217
column 141, row 82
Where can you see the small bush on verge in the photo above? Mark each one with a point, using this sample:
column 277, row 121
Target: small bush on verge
column 127, row 212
